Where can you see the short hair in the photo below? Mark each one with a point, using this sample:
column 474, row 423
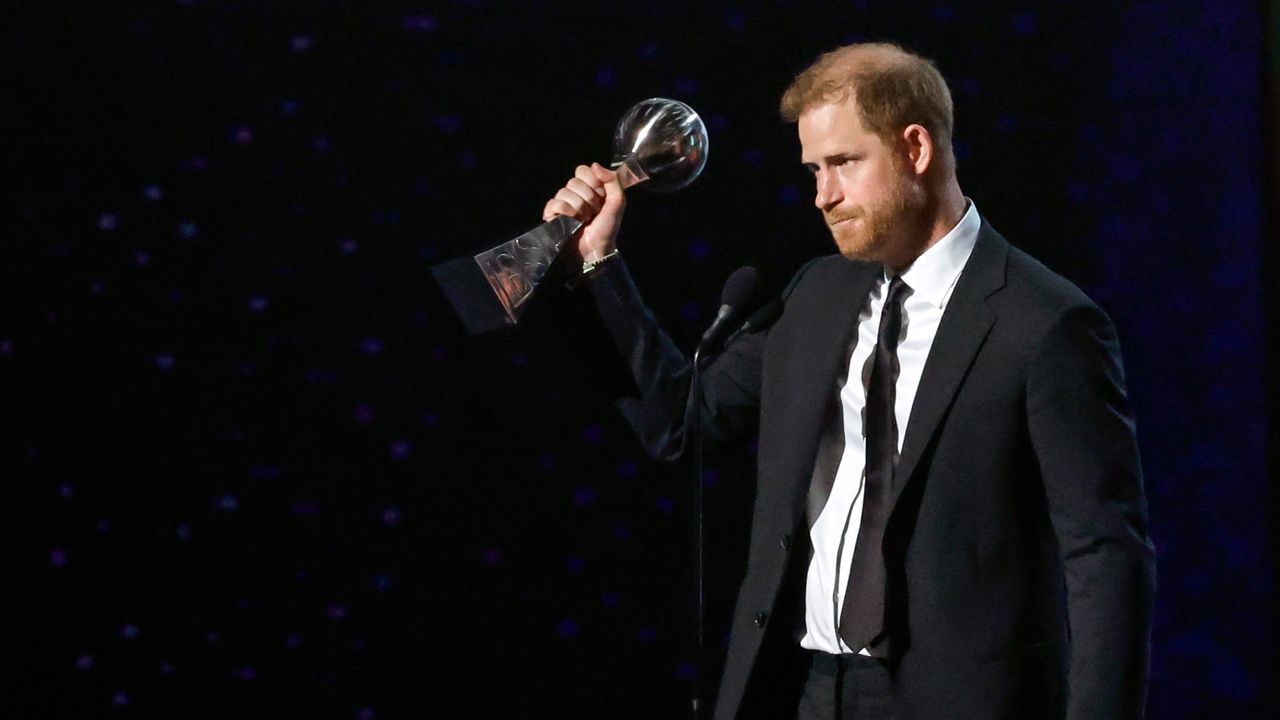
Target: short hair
column 893, row 88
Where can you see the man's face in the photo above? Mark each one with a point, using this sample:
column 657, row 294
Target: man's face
column 867, row 193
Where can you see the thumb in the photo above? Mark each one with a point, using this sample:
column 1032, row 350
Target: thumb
column 614, row 198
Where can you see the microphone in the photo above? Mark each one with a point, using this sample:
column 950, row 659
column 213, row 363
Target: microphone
column 738, row 292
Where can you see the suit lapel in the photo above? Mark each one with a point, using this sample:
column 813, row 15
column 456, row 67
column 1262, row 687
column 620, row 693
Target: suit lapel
column 830, row 310
column 964, row 326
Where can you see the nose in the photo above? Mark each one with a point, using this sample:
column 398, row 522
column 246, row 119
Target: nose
column 828, row 191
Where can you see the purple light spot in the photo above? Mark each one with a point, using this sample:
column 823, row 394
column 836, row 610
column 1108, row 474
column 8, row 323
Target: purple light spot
column 567, row 628
column 335, row 611
column 754, row 158
column 735, row 19
column 226, row 503
column 103, row 526
column 365, row 713
column 1024, row 24
column 686, row 87
column 546, row 461
column 628, row 468
column 128, row 631
column 141, row 259
column 211, row 637
column 789, row 195
column 246, row 673
column 690, row 312
column 606, row 77
column 439, row 353
column 164, row 362
column 57, row 557
column 448, row 124
column 943, row 13
column 371, row 346
column 609, row 599
column 347, row 246
column 620, row 532
column 65, row 491
column 363, row 413
column 305, row 508
column 300, row 43
column 184, row 532
column 419, row 23
column 108, row 222
column 322, row 144
column 242, row 135
column 257, row 304
column 120, row 699
column 466, row 159
column 710, row 477
column 583, row 497
column 292, row 641
column 519, row 359
column 152, row 192
column 391, row 516
column 649, row 51
column 664, row 505
column 400, row 449
column 684, row 670
column 699, row 249
column 575, row 565
column 265, row 472
column 6, row 347
column 95, row 287
column 381, row 583
column 647, row 635
column 320, row 376
column 187, row 230
column 289, row 107
column 84, row 662
column 492, row 556
column 430, row 419
column 166, row 668
column 593, row 434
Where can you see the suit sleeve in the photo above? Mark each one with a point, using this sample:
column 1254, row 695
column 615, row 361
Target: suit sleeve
column 1082, row 431
column 730, row 394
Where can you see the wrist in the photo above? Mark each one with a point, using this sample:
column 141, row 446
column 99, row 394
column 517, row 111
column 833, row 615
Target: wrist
column 592, row 261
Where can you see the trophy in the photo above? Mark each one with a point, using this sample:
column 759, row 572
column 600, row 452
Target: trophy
column 659, row 144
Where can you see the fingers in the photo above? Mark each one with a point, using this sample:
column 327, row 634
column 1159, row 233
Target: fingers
column 581, row 197
column 608, row 179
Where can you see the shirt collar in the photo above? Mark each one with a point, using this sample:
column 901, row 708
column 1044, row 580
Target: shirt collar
column 933, row 274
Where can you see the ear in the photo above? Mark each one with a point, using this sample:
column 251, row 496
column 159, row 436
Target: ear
column 918, row 144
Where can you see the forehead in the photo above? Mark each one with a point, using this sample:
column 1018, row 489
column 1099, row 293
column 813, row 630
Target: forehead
column 831, row 127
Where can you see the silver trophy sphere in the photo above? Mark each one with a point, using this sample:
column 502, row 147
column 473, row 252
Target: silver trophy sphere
column 662, row 140
column 659, row 144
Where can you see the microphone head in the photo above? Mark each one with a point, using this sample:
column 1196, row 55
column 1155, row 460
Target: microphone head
column 740, row 287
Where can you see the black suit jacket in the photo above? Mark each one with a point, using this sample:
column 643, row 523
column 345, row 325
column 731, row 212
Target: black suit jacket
column 1021, row 576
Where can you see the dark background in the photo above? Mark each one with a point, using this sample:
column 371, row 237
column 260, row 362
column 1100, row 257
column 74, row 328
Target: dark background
column 252, row 466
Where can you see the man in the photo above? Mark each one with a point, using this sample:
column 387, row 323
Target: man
column 949, row 518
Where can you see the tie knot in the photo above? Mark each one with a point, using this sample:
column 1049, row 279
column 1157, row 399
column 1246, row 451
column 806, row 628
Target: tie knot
column 896, row 290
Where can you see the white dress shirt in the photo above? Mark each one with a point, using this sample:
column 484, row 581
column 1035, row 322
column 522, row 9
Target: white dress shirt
column 930, row 279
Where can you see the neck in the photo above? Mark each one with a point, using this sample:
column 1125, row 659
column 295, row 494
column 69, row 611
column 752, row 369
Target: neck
column 941, row 214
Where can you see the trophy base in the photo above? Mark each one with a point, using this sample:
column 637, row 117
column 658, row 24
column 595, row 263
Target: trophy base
column 491, row 290
column 471, row 296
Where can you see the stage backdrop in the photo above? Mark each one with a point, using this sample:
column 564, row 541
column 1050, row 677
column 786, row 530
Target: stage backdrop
column 253, row 467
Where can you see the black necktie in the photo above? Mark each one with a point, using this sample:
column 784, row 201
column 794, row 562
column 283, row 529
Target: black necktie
column 862, row 614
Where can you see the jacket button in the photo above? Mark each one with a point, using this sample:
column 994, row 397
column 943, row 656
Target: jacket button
column 785, row 542
column 761, row 618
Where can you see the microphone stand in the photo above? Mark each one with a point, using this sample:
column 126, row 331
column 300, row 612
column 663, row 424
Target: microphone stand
column 693, row 412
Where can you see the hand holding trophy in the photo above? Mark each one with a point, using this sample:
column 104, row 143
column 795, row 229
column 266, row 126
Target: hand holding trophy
column 659, row 144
